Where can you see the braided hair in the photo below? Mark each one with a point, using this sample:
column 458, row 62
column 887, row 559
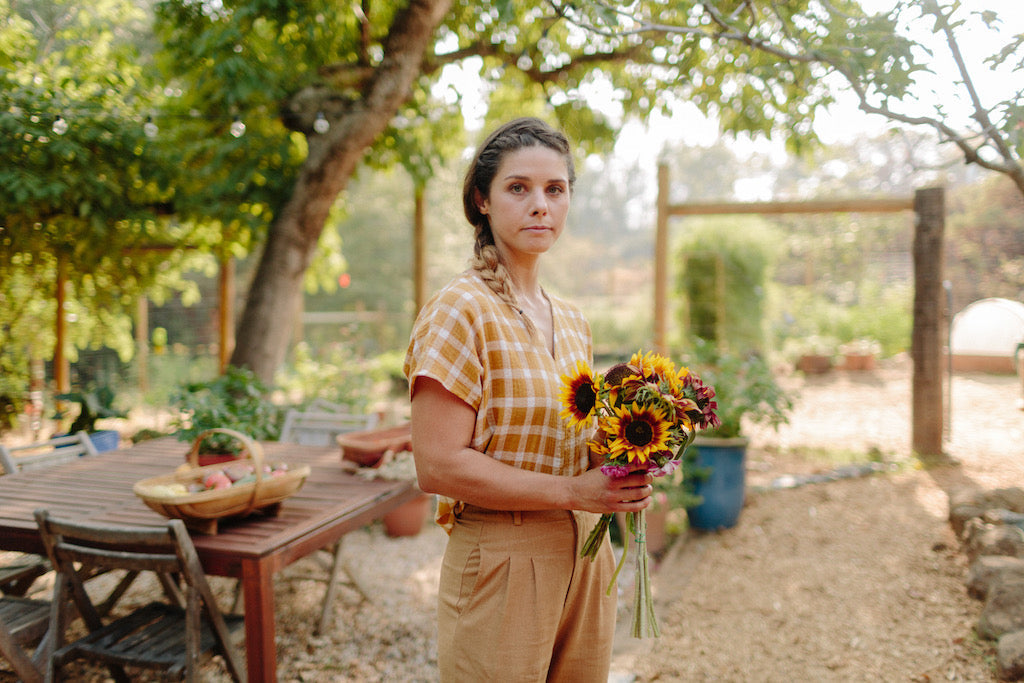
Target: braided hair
column 511, row 137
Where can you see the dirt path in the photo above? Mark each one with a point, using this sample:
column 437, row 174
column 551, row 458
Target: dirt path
column 853, row 580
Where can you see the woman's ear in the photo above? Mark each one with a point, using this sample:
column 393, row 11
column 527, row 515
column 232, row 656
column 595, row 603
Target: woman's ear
column 481, row 202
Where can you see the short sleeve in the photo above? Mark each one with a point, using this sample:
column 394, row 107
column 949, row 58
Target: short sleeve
column 444, row 346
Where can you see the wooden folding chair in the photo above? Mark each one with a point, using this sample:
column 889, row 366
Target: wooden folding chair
column 23, row 622
column 17, row 576
column 172, row 637
column 321, row 427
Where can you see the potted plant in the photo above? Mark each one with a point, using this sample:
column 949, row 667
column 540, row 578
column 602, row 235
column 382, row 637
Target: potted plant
column 746, row 392
column 95, row 403
column 813, row 354
column 235, row 400
column 860, row 354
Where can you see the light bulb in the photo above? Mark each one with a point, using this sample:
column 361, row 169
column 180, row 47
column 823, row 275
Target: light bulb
column 321, row 125
column 150, row 128
column 237, row 127
column 60, row 126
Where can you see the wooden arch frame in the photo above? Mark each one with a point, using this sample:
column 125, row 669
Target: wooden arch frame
column 926, row 346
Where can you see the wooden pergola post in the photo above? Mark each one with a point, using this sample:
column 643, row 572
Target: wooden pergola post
column 227, row 312
column 419, row 248
column 61, row 367
column 142, row 342
column 661, row 264
column 926, row 342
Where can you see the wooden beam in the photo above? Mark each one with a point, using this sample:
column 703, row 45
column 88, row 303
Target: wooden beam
column 884, row 205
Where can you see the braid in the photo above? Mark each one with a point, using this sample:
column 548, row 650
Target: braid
column 494, row 274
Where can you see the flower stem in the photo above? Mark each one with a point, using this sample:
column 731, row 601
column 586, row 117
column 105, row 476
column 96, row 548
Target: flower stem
column 645, row 624
column 593, row 542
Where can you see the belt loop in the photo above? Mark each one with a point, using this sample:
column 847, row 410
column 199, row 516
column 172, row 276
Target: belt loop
column 517, row 518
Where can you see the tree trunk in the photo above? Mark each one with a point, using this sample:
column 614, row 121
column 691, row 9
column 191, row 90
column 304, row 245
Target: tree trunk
column 268, row 318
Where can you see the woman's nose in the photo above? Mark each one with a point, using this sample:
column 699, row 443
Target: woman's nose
column 538, row 203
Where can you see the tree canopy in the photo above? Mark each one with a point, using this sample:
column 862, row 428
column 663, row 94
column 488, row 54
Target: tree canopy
column 263, row 110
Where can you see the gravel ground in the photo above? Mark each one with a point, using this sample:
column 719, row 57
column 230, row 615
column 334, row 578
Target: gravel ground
column 852, row 580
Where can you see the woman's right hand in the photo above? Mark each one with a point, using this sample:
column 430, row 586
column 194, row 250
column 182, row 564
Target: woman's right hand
column 595, row 491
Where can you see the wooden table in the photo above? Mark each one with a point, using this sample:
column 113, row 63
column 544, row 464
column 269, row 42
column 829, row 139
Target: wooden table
column 99, row 488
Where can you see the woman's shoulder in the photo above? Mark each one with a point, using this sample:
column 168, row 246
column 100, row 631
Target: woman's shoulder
column 465, row 287
column 466, row 294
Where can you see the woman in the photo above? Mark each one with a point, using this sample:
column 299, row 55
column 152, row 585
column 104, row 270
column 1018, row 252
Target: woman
column 518, row 489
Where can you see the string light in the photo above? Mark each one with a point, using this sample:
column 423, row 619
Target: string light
column 60, row 125
column 150, row 128
column 237, row 128
column 321, row 125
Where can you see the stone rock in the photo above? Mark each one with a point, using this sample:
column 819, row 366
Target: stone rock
column 989, row 569
column 960, row 514
column 1002, row 612
column 1011, row 498
column 1010, row 656
column 981, row 538
column 967, row 496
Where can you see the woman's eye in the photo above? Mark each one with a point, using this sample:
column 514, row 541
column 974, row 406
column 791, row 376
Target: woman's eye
column 516, row 187
column 556, row 189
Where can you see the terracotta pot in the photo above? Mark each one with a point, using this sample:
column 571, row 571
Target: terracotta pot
column 408, row 518
column 858, row 361
column 813, row 364
column 366, row 448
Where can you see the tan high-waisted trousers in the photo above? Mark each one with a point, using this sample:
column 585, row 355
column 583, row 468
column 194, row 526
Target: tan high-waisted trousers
column 517, row 603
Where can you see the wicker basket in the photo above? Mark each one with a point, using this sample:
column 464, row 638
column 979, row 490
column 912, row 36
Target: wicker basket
column 201, row 511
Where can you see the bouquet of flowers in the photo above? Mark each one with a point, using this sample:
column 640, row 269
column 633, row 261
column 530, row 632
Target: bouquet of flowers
column 648, row 413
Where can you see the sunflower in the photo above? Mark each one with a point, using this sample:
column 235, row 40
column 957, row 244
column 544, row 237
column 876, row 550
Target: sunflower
column 578, row 396
column 637, row 432
column 653, row 366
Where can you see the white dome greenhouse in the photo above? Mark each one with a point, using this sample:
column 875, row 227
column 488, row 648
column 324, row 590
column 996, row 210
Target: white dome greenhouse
column 985, row 335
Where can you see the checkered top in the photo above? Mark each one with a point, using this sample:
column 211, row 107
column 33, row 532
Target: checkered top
column 480, row 349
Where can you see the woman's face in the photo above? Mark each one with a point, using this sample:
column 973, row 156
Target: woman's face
column 528, row 201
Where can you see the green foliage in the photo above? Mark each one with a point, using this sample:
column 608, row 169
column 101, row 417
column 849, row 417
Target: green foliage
column 95, row 403
column 236, row 400
column 723, row 276
column 334, row 373
column 85, row 190
column 745, row 389
column 883, row 314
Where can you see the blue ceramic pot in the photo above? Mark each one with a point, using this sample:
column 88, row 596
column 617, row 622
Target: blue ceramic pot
column 724, row 488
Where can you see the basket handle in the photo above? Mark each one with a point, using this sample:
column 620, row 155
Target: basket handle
column 250, row 447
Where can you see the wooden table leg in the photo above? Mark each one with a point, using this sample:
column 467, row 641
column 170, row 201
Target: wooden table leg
column 260, row 649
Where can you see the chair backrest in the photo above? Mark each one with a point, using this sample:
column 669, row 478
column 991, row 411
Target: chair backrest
column 319, row 428
column 45, row 453
column 74, row 546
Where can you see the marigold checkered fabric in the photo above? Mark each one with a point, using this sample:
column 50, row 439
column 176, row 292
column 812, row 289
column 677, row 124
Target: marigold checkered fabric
column 480, row 349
